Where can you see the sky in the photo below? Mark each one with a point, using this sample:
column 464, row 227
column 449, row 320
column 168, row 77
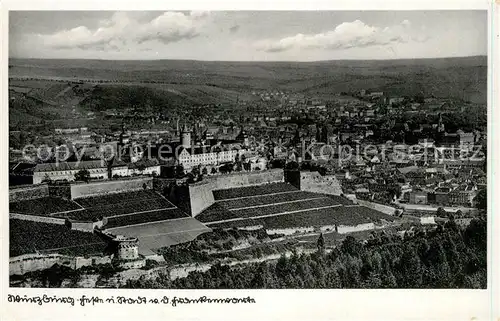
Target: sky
column 247, row 35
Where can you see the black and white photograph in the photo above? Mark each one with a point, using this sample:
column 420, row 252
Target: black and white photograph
column 236, row 149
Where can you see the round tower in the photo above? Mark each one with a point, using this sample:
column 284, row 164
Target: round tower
column 128, row 250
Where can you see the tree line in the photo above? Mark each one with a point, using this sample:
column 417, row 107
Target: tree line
column 447, row 257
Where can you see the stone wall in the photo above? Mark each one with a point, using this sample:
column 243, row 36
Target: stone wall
column 201, row 195
column 314, row 182
column 290, row 231
column 416, row 209
column 386, row 209
column 34, row 262
column 85, row 226
column 344, row 229
column 27, row 192
column 35, row 218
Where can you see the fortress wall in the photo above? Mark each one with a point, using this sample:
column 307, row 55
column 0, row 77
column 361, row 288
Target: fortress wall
column 85, row 226
column 111, row 186
column 314, row 182
column 28, row 192
column 344, row 229
column 291, row 231
column 42, row 219
column 201, row 195
column 386, row 209
column 34, row 262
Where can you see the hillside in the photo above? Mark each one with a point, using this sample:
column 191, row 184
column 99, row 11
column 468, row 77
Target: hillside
column 442, row 77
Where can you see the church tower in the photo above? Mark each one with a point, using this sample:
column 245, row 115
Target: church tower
column 186, row 137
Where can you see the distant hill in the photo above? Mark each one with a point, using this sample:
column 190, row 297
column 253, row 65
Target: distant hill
column 172, row 84
column 442, row 77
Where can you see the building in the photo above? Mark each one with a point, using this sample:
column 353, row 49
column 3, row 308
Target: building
column 203, row 156
column 418, row 197
column 442, row 195
column 65, row 171
column 463, row 195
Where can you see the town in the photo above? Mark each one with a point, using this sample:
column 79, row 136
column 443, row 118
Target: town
column 131, row 194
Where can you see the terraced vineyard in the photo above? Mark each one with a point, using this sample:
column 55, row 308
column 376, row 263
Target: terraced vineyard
column 268, row 199
column 312, row 218
column 287, row 207
column 119, row 204
column 44, row 206
column 215, row 212
column 30, row 237
column 253, row 191
column 119, row 198
column 154, row 216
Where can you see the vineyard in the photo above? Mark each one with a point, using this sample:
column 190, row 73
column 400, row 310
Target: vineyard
column 339, row 199
column 215, row 212
column 44, row 206
column 268, row 199
column 271, row 188
column 119, row 198
column 252, row 201
column 30, row 237
column 340, row 215
column 152, row 216
column 118, row 204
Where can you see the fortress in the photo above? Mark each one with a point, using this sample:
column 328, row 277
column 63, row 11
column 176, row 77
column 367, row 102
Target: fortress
column 134, row 217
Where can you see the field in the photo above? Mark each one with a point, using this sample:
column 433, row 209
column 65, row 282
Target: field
column 271, row 188
column 30, row 237
column 45, row 206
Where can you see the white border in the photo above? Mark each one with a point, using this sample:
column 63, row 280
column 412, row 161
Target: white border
column 271, row 304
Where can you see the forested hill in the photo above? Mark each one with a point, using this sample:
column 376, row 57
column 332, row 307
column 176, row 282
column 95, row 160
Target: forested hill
column 449, row 257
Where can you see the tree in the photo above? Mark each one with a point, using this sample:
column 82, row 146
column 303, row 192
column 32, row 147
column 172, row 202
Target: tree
column 82, row 175
column 213, row 170
column 441, row 212
column 321, row 243
column 481, row 199
column 351, row 246
column 204, row 171
column 179, row 171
